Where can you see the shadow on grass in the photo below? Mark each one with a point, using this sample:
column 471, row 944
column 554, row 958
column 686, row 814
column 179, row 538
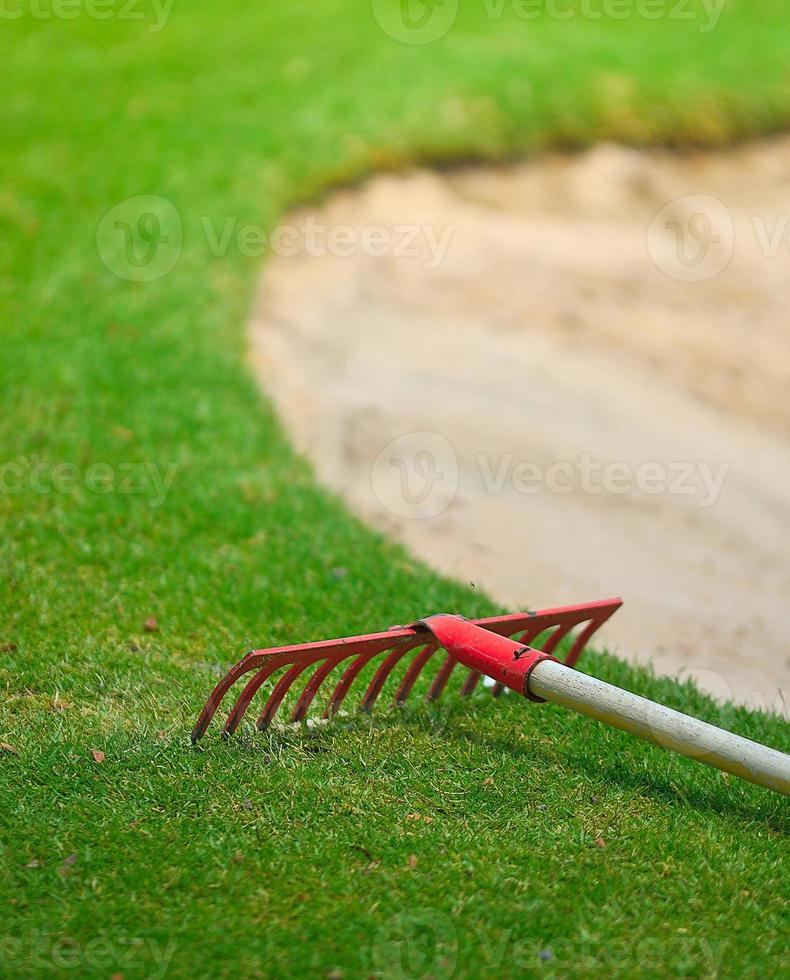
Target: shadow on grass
column 450, row 723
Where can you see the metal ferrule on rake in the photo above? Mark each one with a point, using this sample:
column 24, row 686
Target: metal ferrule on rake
column 516, row 652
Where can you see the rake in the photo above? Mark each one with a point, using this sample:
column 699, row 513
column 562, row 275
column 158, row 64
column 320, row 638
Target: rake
column 520, row 652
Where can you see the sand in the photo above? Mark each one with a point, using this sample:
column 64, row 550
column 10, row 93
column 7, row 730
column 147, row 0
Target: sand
column 575, row 386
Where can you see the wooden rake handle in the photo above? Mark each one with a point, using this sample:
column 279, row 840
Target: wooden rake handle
column 541, row 677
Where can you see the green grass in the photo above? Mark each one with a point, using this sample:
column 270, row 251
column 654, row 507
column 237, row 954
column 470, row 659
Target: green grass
column 469, row 833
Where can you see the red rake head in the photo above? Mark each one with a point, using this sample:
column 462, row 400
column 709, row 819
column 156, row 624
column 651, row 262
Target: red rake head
column 543, row 631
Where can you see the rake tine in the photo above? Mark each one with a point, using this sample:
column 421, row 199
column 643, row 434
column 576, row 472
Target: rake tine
column 581, row 640
column 240, row 707
column 470, row 683
column 275, row 698
column 310, row 691
column 383, row 672
column 557, row 637
column 275, row 657
column 244, row 666
column 441, row 679
column 345, row 682
column 411, row 675
column 352, row 671
column 531, row 634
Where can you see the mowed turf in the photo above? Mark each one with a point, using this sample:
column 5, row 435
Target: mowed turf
column 463, row 839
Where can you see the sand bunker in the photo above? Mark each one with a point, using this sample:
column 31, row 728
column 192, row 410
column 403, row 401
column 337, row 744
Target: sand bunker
column 562, row 381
